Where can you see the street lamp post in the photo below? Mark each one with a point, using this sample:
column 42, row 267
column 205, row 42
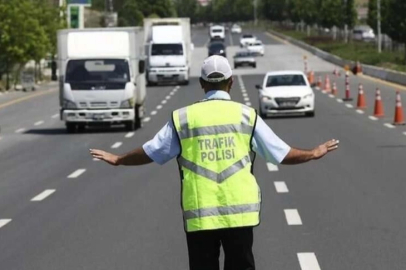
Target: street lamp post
column 378, row 9
column 255, row 12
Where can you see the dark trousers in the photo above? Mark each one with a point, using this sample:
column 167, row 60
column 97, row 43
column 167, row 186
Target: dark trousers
column 204, row 249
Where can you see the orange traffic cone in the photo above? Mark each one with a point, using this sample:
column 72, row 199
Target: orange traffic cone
column 347, row 88
column 327, row 85
column 359, row 68
column 378, row 110
column 361, row 103
column 399, row 119
column 334, row 90
column 319, row 82
column 310, row 77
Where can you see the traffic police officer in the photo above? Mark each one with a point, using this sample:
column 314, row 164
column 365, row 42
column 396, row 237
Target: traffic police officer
column 213, row 140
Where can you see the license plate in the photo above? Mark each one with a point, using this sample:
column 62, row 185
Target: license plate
column 98, row 116
column 287, row 104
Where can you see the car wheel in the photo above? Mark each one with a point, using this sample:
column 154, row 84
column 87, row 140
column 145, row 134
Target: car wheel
column 311, row 114
column 261, row 114
column 254, row 65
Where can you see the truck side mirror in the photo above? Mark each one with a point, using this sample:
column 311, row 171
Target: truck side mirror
column 141, row 66
column 258, row 87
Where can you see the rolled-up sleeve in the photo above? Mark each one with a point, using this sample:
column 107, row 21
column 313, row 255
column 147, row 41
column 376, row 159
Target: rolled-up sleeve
column 267, row 144
column 164, row 146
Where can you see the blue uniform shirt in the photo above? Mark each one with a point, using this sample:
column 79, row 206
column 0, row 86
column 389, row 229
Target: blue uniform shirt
column 165, row 145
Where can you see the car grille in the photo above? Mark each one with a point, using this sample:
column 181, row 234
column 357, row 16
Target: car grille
column 287, row 102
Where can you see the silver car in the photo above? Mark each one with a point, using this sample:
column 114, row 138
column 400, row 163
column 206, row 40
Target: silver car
column 244, row 58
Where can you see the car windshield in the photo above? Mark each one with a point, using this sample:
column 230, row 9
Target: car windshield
column 285, row 80
column 257, row 44
column 98, row 70
column 247, row 36
column 243, row 54
column 167, row 49
column 216, row 46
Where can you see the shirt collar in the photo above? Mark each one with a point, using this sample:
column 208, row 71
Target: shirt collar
column 217, row 94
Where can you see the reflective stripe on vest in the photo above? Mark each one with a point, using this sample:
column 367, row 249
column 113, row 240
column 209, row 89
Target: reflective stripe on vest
column 218, row 187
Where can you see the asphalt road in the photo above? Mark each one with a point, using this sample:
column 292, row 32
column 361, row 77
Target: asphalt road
column 346, row 211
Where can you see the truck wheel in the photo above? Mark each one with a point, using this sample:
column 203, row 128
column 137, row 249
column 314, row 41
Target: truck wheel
column 70, row 127
column 81, row 128
column 138, row 119
column 130, row 126
column 149, row 83
column 185, row 82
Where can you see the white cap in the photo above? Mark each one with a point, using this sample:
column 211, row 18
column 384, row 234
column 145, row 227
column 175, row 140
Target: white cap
column 216, row 64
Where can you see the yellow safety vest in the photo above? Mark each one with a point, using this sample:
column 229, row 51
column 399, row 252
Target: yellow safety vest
column 219, row 189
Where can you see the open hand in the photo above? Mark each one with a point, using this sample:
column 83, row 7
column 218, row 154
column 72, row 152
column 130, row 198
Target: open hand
column 321, row 150
column 105, row 156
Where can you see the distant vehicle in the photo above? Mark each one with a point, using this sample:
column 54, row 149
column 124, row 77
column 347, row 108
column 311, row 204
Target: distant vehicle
column 102, row 79
column 217, row 48
column 247, row 39
column 244, row 58
column 236, row 29
column 363, row 33
column 217, row 32
column 286, row 92
column 257, row 48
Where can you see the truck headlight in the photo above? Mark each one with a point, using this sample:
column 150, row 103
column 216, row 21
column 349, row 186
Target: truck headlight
column 67, row 104
column 127, row 104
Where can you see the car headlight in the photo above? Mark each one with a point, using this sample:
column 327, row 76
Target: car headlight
column 127, row 104
column 308, row 96
column 67, row 104
column 265, row 98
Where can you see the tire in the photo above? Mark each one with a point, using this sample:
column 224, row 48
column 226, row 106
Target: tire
column 149, row 83
column 81, row 128
column 70, row 128
column 261, row 114
column 254, row 65
column 185, row 82
column 130, row 126
column 138, row 120
column 311, row 114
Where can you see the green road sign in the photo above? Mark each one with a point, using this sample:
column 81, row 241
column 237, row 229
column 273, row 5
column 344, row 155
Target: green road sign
column 79, row 2
column 74, row 16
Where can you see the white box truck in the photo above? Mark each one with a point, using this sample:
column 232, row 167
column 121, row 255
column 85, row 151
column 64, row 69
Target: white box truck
column 101, row 77
column 169, row 48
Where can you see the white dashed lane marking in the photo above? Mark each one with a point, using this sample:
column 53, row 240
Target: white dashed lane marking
column 129, row 134
column 331, row 96
column 281, row 187
column 96, row 159
column 153, row 112
column 3, row 222
column 308, row 261
column 164, row 101
column 272, row 167
column 246, row 99
column 360, row 111
column 292, row 217
column 116, row 145
column 168, row 97
column 38, row 123
column 389, row 125
column 77, row 173
column 373, row 118
column 159, row 107
column 43, row 195
column 20, row 130
column 404, row 133
column 349, row 106
column 55, row 115
column 146, row 119
column 339, row 100
column 248, row 103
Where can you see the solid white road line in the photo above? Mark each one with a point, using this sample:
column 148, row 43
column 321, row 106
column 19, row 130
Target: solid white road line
column 159, row 107
column 43, row 195
column 38, row 123
column 153, row 112
column 292, row 217
column 388, row 125
column 349, row 105
column 373, row 118
column 164, row 101
column 281, row 187
column 339, row 100
column 116, row 145
column 272, row 167
column 77, row 173
column 248, row 103
column 129, row 134
column 360, row 111
column 20, row 130
column 55, row 115
column 308, row 261
column 3, row 222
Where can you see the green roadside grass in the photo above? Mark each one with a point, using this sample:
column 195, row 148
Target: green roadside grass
column 364, row 52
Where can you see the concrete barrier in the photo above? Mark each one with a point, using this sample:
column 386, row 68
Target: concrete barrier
column 376, row 72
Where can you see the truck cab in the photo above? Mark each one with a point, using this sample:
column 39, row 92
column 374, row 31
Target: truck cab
column 101, row 78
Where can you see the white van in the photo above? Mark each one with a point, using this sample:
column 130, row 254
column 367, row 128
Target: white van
column 217, row 32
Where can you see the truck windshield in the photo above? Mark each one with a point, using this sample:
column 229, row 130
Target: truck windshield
column 97, row 74
column 167, row 49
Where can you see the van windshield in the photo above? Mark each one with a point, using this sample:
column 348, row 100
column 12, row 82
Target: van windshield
column 167, row 49
column 217, row 30
column 97, row 74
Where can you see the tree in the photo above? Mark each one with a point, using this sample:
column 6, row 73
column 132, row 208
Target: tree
column 187, row 8
column 350, row 14
column 395, row 18
column 129, row 14
column 330, row 13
